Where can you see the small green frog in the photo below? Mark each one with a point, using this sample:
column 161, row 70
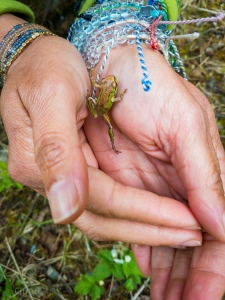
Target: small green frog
column 105, row 100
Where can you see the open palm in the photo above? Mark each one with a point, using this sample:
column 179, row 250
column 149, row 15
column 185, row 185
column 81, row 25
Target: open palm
column 170, row 145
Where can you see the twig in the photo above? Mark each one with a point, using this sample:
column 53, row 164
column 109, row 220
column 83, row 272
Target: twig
column 17, row 267
column 144, row 285
column 111, row 286
column 204, row 9
column 37, row 283
column 20, row 231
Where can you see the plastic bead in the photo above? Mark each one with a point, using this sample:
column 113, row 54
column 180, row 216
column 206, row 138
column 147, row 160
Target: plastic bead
column 116, row 22
column 154, row 14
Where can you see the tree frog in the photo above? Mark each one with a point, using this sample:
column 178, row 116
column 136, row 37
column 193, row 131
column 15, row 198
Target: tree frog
column 104, row 101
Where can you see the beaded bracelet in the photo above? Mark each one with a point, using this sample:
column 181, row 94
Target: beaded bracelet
column 15, row 42
column 113, row 22
column 110, row 23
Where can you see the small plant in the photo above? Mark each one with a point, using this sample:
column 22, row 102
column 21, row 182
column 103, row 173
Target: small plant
column 6, row 291
column 118, row 263
column 5, row 181
column 89, row 285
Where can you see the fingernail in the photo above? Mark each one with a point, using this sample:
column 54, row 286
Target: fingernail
column 192, row 243
column 208, row 237
column 178, row 247
column 194, row 228
column 63, row 200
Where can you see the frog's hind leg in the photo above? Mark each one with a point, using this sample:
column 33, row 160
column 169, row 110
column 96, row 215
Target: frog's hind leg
column 111, row 133
column 120, row 97
column 91, row 106
column 93, row 80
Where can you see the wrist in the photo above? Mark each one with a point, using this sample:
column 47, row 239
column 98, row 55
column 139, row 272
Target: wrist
column 7, row 22
column 15, row 42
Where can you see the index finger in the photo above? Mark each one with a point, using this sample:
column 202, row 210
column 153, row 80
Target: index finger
column 112, row 199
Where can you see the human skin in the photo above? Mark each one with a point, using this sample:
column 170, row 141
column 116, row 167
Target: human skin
column 174, row 126
column 43, row 113
column 43, row 107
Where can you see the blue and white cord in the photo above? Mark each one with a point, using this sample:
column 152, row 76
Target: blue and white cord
column 145, row 81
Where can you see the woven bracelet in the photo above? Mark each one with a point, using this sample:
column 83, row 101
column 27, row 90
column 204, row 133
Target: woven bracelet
column 111, row 23
column 15, row 42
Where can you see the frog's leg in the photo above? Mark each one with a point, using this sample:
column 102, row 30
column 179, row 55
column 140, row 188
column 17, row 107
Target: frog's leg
column 92, row 79
column 92, row 106
column 111, row 133
column 120, row 97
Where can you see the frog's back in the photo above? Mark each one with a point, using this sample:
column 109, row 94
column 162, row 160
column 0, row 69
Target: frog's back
column 107, row 92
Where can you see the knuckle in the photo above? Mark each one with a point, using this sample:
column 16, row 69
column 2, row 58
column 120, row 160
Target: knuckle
column 51, row 151
column 91, row 232
column 21, row 169
column 42, row 90
column 91, row 227
column 196, row 115
column 14, row 171
column 93, row 235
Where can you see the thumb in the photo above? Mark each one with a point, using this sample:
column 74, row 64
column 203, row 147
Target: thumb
column 58, row 152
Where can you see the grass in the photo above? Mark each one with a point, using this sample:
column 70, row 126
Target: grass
column 41, row 260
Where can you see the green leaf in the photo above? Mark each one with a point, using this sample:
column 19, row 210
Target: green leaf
column 105, row 255
column 137, row 279
column 18, row 185
column 2, row 275
column 84, row 286
column 5, row 181
column 3, row 166
column 102, row 271
column 8, row 292
column 130, row 284
column 117, row 271
column 126, row 269
column 96, row 292
column 18, row 283
column 131, row 268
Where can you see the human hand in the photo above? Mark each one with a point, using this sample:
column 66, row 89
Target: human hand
column 114, row 212
column 170, row 145
column 168, row 138
column 43, row 106
column 187, row 274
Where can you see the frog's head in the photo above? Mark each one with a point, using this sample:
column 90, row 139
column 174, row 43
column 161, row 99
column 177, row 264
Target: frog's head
column 110, row 81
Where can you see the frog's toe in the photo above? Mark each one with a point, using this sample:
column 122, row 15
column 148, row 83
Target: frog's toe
column 114, row 148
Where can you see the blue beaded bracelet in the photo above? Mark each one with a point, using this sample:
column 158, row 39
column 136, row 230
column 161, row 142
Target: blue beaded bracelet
column 14, row 43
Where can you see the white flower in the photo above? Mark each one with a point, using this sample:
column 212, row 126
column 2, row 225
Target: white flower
column 114, row 253
column 127, row 258
column 118, row 261
column 101, row 282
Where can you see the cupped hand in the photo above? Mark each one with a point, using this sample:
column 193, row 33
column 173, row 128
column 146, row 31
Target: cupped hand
column 43, row 107
column 168, row 138
column 170, row 145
